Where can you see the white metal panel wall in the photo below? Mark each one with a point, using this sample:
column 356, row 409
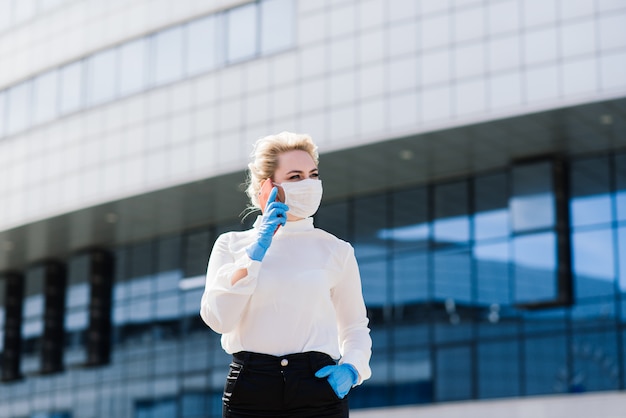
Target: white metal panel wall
column 73, row 28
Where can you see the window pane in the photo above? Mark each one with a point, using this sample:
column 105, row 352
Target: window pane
column 532, row 204
column 18, row 108
column 197, row 249
column 370, row 217
column 32, row 318
column 334, row 219
column 45, row 97
column 451, row 225
column 498, row 369
column 410, row 278
column 453, row 374
column 77, row 309
column 491, row 201
column 591, row 201
column 241, row 29
column 492, row 273
column 452, row 270
column 595, row 362
column 412, row 377
column 2, row 311
column 277, row 14
column 101, row 72
column 621, row 245
column 71, row 87
column 620, row 182
column 594, row 265
column 545, row 361
column 374, row 282
column 204, row 44
column 167, row 47
column 132, row 57
column 411, row 228
column 535, row 267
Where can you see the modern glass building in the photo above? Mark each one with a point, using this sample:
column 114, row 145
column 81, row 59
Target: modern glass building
column 472, row 151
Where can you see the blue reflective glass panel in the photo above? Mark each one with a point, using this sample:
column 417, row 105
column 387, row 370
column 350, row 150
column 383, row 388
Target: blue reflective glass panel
column 594, row 263
column 545, row 365
column 595, row 362
column 620, row 185
column 451, row 230
column 2, row 312
column 167, row 50
column 498, row 369
column 412, row 365
column 491, row 219
column 374, row 282
column 45, row 97
column 451, row 224
column 132, row 63
column 410, row 278
column 71, row 93
column 205, row 46
column 370, row 218
column 590, row 199
column 453, row 378
column 18, row 108
column 621, row 248
column 532, row 204
column 491, row 224
column 493, row 284
column 241, row 33
column 277, row 25
column 101, row 77
column 452, row 272
column 534, row 258
column 410, row 227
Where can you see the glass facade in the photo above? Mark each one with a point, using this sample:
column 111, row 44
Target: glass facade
column 442, row 267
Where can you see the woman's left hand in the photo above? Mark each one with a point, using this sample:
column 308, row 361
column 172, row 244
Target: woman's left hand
column 341, row 378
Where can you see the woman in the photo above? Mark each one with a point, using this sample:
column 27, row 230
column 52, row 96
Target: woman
column 287, row 297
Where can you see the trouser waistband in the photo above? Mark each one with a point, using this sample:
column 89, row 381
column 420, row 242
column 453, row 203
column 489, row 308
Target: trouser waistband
column 313, row 360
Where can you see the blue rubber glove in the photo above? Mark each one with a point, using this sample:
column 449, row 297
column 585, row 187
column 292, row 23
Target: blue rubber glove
column 341, row 378
column 273, row 216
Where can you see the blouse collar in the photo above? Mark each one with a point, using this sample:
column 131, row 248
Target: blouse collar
column 305, row 224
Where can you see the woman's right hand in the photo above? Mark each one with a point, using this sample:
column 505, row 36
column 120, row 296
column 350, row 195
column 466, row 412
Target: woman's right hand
column 275, row 215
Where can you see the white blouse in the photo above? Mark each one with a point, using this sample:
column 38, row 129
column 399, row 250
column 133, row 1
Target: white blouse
column 304, row 296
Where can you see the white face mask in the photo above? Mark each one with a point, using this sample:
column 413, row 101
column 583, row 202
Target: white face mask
column 303, row 197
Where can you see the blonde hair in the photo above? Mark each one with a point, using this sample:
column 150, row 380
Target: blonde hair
column 265, row 159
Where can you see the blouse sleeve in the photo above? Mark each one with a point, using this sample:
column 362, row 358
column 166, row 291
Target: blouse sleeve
column 223, row 303
column 354, row 334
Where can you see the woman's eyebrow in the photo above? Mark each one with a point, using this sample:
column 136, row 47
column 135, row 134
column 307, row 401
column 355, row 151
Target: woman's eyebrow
column 300, row 171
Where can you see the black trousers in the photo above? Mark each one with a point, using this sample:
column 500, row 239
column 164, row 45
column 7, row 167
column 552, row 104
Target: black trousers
column 260, row 385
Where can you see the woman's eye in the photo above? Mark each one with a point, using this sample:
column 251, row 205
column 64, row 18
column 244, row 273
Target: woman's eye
column 294, row 177
column 315, row 175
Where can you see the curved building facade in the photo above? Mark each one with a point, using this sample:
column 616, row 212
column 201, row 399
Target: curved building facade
column 473, row 152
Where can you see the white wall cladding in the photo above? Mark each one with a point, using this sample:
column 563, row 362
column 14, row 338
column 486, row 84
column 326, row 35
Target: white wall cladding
column 72, row 29
column 362, row 71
